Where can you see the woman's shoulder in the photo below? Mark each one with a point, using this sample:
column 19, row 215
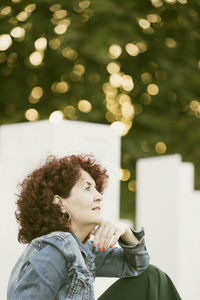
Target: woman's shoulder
column 61, row 240
column 62, row 235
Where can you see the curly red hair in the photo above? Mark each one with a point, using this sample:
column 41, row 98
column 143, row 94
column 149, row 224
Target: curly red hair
column 36, row 212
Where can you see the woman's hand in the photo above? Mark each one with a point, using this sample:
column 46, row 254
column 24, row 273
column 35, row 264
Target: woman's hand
column 108, row 233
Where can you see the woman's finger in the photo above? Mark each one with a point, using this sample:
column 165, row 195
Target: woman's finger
column 97, row 235
column 109, row 237
column 103, row 236
column 115, row 238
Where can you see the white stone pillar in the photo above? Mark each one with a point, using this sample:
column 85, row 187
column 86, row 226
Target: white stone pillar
column 168, row 207
column 23, row 146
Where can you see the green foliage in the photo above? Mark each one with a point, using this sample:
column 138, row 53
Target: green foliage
column 167, row 57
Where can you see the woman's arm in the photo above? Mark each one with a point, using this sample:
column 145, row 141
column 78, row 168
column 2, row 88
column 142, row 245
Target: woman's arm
column 129, row 238
column 44, row 275
column 130, row 259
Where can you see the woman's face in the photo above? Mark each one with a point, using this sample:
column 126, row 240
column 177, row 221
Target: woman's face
column 84, row 203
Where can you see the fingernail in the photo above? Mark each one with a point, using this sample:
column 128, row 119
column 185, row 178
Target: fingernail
column 94, row 245
column 99, row 249
column 104, row 249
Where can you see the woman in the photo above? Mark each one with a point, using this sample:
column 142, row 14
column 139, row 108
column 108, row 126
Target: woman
column 59, row 207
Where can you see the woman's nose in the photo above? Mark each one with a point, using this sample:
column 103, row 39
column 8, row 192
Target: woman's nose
column 99, row 197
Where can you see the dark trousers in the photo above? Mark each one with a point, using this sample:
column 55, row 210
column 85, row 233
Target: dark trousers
column 152, row 284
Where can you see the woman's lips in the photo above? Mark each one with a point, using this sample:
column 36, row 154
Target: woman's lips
column 97, row 208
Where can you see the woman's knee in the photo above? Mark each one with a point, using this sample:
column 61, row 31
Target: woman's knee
column 152, row 282
column 152, row 268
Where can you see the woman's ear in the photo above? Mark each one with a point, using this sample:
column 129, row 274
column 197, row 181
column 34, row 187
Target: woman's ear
column 58, row 200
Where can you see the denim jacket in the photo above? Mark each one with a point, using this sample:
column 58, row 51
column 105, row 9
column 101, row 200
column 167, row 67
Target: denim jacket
column 59, row 266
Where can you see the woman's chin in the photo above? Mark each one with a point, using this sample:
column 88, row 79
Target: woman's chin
column 99, row 220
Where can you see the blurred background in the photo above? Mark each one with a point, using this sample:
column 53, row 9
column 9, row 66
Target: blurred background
column 133, row 65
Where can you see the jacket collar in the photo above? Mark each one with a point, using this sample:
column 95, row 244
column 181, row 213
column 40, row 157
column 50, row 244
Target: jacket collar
column 84, row 248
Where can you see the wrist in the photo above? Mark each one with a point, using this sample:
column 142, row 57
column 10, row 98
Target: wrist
column 129, row 238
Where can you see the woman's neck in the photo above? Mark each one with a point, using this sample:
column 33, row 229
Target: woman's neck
column 82, row 231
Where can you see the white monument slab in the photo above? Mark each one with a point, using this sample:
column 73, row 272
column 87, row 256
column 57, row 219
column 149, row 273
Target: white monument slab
column 168, row 207
column 23, row 146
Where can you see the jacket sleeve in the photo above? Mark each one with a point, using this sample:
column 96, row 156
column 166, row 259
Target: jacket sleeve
column 123, row 261
column 43, row 276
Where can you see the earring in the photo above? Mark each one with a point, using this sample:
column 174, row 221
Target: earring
column 56, row 200
column 69, row 218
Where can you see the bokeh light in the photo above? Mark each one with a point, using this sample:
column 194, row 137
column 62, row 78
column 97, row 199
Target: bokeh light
column 5, row 42
column 146, row 77
column 157, row 3
column 152, row 89
column 30, row 7
column 132, row 49
column 41, row 44
column 113, row 67
column 118, row 127
column 36, row 94
column 32, row 114
column 127, row 83
column 17, row 32
column 153, row 18
column 60, row 13
column 160, row 148
column 116, row 80
column 60, row 29
column 55, row 43
column 84, row 106
column 56, row 117
column 194, row 105
column 124, row 174
column 22, row 16
column 171, row 43
column 69, row 53
column 170, row 1
column 115, row 51
column 70, row 112
column 132, row 185
column 144, row 23
column 36, row 58
column 5, row 10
